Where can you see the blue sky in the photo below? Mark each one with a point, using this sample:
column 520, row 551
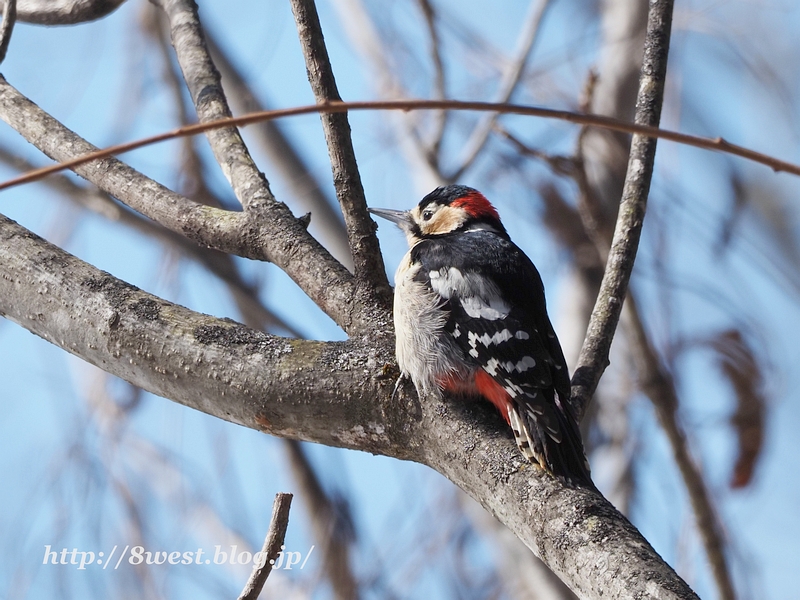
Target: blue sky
column 100, row 80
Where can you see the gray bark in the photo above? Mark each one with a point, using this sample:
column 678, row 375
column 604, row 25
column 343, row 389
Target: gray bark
column 64, row 12
column 334, row 393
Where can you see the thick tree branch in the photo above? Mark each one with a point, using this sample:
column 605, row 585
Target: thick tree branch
column 64, row 12
column 285, row 243
column 338, row 394
column 367, row 257
column 605, row 316
column 214, row 365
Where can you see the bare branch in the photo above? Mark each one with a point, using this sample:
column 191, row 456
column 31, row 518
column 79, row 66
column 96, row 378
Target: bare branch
column 307, row 193
column 213, row 365
column 64, row 12
column 439, row 81
column 508, row 83
column 335, row 393
column 367, row 256
column 271, row 548
column 605, row 316
column 203, row 80
column 285, row 243
column 9, row 18
column 717, row 144
column 660, row 388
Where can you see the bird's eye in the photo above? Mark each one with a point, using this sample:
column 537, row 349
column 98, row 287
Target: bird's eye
column 427, row 214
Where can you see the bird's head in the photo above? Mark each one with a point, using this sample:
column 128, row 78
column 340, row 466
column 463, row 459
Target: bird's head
column 446, row 210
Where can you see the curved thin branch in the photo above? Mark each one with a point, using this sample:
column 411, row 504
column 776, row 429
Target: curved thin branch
column 593, row 358
column 717, row 144
column 64, row 12
column 367, row 257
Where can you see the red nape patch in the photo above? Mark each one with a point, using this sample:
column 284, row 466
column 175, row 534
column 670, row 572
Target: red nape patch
column 476, row 205
column 493, row 392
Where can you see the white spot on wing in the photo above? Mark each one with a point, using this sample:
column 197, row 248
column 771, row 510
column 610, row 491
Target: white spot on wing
column 480, row 297
column 492, row 308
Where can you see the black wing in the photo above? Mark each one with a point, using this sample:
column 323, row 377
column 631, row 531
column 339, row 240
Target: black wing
column 498, row 317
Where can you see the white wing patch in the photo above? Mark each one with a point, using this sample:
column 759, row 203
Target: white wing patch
column 479, row 296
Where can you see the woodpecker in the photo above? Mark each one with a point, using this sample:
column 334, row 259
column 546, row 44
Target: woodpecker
column 470, row 319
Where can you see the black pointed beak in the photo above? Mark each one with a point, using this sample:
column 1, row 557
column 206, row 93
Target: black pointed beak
column 399, row 217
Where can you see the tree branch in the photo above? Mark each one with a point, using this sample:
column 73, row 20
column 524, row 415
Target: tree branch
column 593, row 358
column 64, row 12
column 286, row 243
column 367, row 257
column 7, row 27
column 335, row 393
column 203, row 81
column 717, row 144
column 271, row 548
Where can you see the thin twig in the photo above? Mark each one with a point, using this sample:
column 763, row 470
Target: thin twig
column 439, row 82
column 593, row 358
column 9, row 19
column 715, row 144
column 271, row 548
column 367, row 257
column 508, row 84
